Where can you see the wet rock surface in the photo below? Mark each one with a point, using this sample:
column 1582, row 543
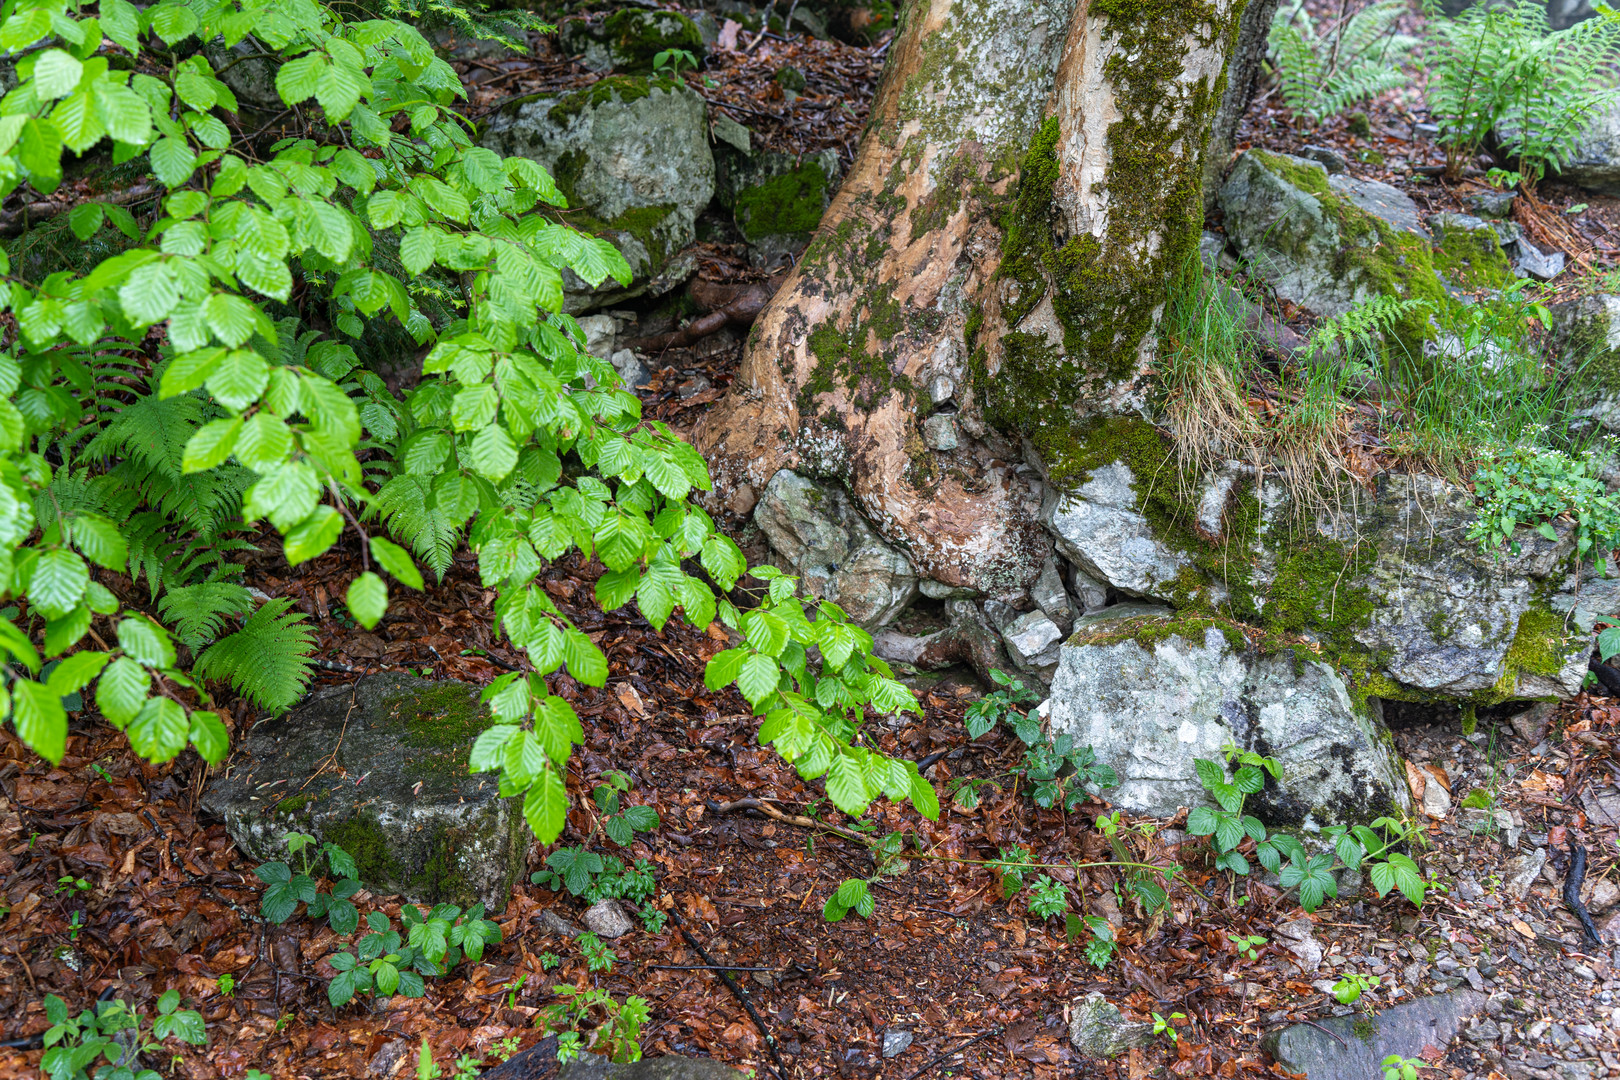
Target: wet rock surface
column 379, row 768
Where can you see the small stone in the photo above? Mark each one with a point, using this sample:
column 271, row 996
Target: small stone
column 606, row 919
column 1032, row 641
column 939, row 432
column 1331, row 160
column 1603, row 895
column 630, row 368
column 1091, row 593
column 789, row 77
column 1521, row 871
column 1468, row 889
column 938, row 590
column 941, row 388
column 895, row 1041
column 600, row 334
column 726, row 130
column 553, row 923
column 999, row 613
column 1541, row 265
column 1436, row 800
column 1295, row 936
column 1491, row 204
column 692, row 387
column 1484, row 1032
column 1099, row 1030
column 742, row 500
column 1051, row 597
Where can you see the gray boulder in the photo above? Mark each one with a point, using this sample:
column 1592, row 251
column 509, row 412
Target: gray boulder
column 628, row 40
column 1589, row 349
column 1596, row 162
column 1150, row 692
column 1099, row 528
column 1354, row 1047
column 776, row 199
column 818, row 533
column 1329, row 243
column 379, row 767
column 1443, row 616
column 633, row 155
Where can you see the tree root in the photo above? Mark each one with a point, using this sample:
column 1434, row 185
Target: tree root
column 969, row 639
column 728, row 304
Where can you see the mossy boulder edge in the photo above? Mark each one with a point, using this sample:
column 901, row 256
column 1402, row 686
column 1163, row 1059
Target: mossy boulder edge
column 379, row 767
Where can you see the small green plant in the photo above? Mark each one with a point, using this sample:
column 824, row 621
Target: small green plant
column 1228, row 825
column 616, row 1031
column 286, row 890
column 1501, row 70
column 515, row 988
column 1060, row 772
column 593, row 877
column 652, row 919
column 1503, row 179
column 1321, row 75
column 1005, row 705
column 621, row 825
column 549, row 961
column 1100, row 944
column 1010, row 869
column 1400, row 1068
column 67, row 883
column 671, row 62
column 226, row 984
column 1048, row 897
column 1247, row 944
column 74, row 1044
column 385, row 963
column 1351, row 985
column 965, row 791
column 1372, row 847
column 1166, row 1026
column 854, row 894
column 598, row 957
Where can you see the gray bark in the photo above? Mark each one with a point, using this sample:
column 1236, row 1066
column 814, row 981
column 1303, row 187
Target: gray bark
column 1242, row 80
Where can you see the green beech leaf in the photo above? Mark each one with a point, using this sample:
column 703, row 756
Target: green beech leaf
column 367, row 599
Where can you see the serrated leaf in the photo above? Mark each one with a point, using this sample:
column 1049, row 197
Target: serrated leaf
column 40, row 720
column 396, row 561
column 160, row 730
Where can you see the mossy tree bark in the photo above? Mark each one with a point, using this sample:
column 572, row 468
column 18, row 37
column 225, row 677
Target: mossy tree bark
column 998, row 255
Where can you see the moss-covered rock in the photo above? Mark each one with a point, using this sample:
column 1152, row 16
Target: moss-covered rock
column 380, row 769
column 1329, row 243
column 1386, row 585
column 632, row 157
column 1588, row 347
column 630, row 39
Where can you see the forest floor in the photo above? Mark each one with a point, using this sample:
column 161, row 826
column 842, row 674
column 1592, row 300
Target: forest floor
column 113, row 882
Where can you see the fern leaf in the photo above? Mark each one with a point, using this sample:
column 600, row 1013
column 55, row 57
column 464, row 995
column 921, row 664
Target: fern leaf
column 406, row 504
column 267, row 661
column 197, row 613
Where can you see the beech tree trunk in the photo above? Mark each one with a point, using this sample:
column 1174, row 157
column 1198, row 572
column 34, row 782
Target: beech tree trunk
column 990, row 273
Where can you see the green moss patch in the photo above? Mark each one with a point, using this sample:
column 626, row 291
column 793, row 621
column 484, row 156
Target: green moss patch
column 787, row 205
column 637, row 37
column 363, row 839
column 621, row 88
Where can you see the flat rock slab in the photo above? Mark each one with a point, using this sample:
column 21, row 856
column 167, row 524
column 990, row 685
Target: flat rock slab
column 379, row 767
column 1354, row 1047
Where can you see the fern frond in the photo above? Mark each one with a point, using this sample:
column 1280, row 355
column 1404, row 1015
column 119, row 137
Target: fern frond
column 267, row 661
column 406, row 504
column 197, row 613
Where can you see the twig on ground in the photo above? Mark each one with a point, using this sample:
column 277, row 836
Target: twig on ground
column 737, row 991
